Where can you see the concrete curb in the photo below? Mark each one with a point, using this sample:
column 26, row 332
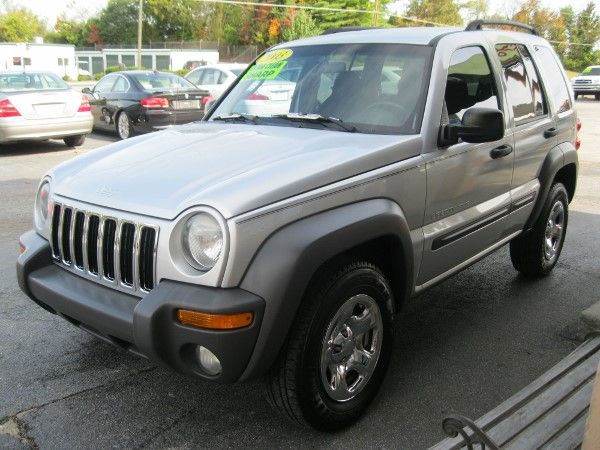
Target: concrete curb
column 591, row 317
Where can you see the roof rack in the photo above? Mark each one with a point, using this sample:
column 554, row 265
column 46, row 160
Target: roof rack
column 344, row 29
column 478, row 25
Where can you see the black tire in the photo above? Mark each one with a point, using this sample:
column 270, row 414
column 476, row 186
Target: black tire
column 529, row 252
column 124, row 126
column 597, row 96
column 296, row 386
column 576, row 95
column 74, row 141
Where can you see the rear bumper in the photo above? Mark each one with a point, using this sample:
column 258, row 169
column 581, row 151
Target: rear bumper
column 19, row 129
column 160, row 119
column 144, row 326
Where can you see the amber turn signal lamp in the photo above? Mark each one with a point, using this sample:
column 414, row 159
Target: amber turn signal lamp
column 21, row 249
column 209, row 321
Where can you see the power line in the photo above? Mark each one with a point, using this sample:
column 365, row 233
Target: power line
column 350, row 10
column 320, row 8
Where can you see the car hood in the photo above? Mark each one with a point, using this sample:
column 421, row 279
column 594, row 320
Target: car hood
column 592, row 78
column 232, row 168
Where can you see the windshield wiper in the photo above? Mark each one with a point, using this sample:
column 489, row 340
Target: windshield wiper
column 236, row 117
column 317, row 118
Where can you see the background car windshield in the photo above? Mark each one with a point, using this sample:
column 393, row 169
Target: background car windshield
column 31, row 82
column 591, row 71
column 237, row 72
column 155, row 82
column 378, row 88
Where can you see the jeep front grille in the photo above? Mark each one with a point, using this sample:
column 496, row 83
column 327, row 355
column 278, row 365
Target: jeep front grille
column 109, row 250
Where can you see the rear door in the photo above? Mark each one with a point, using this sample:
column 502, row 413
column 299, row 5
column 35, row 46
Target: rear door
column 535, row 130
column 468, row 185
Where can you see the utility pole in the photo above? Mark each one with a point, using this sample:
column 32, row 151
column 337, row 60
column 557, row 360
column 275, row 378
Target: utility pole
column 376, row 15
column 139, row 46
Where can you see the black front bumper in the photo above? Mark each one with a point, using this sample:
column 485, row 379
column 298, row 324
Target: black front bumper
column 144, row 326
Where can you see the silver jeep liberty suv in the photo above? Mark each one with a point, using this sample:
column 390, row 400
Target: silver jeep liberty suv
column 337, row 177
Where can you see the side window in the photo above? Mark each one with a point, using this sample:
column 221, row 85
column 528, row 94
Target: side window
column 196, row 76
column 556, row 87
column 222, row 77
column 122, row 85
column 105, row 84
column 523, row 88
column 211, row 76
column 539, row 104
column 470, row 84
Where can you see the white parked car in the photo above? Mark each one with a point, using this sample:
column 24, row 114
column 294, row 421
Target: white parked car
column 39, row 106
column 215, row 78
column 587, row 82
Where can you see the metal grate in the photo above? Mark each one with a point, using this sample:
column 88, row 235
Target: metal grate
column 107, row 249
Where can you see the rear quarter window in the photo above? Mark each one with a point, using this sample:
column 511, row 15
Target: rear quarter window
column 552, row 73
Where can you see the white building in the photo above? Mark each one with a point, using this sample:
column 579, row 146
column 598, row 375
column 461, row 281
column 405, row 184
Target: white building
column 56, row 58
column 96, row 61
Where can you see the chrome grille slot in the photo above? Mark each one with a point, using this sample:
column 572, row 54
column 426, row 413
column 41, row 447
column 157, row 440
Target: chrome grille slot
column 78, row 239
column 146, row 258
column 109, row 250
column 126, row 254
column 65, row 235
column 92, row 244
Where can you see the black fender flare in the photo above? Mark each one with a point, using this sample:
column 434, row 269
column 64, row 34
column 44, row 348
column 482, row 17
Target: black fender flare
column 556, row 159
column 284, row 265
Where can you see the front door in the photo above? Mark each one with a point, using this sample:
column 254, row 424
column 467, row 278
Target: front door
column 468, row 185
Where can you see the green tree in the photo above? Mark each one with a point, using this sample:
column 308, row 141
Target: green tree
column 445, row 12
column 335, row 19
column 67, row 31
column 550, row 24
column 301, row 26
column 584, row 34
column 117, row 22
column 20, row 25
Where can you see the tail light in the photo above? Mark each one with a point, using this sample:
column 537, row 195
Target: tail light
column 154, row 102
column 85, row 105
column 255, row 96
column 206, row 100
column 577, row 138
column 7, row 109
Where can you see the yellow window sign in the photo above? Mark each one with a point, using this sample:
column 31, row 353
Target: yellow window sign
column 275, row 56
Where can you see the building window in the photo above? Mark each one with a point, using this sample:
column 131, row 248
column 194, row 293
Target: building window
column 147, row 62
column 163, row 62
column 17, row 61
column 128, row 60
column 112, row 60
column 60, row 61
column 27, row 61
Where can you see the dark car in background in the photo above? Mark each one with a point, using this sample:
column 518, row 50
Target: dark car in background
column 139, row 101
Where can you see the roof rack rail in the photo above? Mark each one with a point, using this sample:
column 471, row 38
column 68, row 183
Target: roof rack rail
column 344, row 29
column 478, row 25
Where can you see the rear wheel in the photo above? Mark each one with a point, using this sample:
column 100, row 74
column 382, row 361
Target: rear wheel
column 124, row 127
column 536, row 252
column 338, row 351
column 576, row 95
column 74, row 141
column 597, row 96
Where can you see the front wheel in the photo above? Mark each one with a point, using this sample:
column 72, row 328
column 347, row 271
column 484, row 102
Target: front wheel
column 576, row 95
column 338, row 351
column 536, row 252
column 124, row 127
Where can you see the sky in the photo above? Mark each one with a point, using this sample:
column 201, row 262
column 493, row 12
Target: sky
column 50, row 9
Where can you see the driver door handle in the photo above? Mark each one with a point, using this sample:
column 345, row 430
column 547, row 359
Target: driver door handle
column 550, row 132
column 500, row 152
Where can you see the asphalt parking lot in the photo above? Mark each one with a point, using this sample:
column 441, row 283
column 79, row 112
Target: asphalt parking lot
column 463, row 346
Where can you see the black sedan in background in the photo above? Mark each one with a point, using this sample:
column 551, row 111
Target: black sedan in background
column 138, row 101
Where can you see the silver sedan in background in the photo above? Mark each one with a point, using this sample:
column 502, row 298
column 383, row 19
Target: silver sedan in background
column 39, row 106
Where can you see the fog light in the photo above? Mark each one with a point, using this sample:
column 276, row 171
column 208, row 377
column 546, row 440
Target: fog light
column 208, row 361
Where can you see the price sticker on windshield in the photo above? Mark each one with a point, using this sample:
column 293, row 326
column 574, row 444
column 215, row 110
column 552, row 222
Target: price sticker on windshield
column 275, row 56
column 264, row 71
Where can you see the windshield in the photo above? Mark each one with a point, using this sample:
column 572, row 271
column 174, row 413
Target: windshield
column 591, row 71
column 12, row 82
column 237, row 72
column 375, row 88
column 155, row 82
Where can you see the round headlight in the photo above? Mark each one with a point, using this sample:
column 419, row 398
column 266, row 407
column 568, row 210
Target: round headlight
column 202, row 241
column 42, row 201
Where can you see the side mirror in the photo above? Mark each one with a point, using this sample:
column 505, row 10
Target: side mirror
column 477, row 125
column 86, row 90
